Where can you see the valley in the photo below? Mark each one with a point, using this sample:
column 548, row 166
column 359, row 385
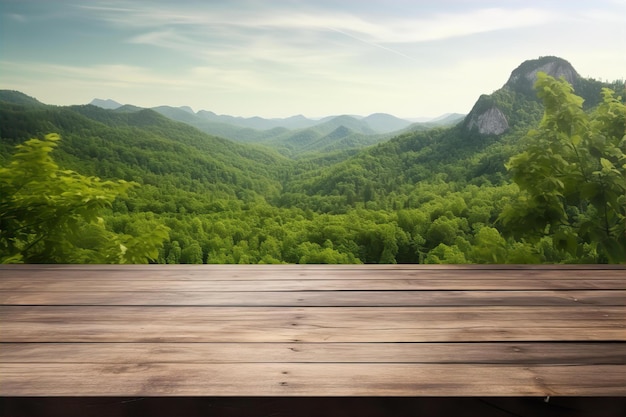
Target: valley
column 346, row 189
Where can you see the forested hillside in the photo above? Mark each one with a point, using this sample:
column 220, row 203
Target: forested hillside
column 296, row 136
column 146, row 147
column 530, row 175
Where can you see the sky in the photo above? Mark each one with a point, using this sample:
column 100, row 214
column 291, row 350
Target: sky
column 278, row 58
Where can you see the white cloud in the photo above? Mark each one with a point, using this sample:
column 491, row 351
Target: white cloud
column 283, row 57
column 419, row 28
column 301, row 39
column 415, row 29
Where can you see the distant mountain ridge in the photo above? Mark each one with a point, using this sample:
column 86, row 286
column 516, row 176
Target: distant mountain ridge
column 385, row 123
column 145, row 146
column 259, row 123
column 107, row 104
column 339, row 154
column 377, row 122
column 297, row 134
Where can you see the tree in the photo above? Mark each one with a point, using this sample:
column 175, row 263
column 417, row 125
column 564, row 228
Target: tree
column 444, row 254
column 489, row 246
column 192, row 254
column 49, row 215
column 572, row 175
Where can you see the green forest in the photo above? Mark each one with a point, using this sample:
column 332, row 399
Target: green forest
column 81, row 184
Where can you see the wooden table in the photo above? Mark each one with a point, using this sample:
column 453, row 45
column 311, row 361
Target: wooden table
column 312, row 331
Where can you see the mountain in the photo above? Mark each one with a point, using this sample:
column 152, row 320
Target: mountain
column 351, row 122
column 173, row 160
column 258, row 123
column 128, row 108
column 385, row 123
column 329, row 134
column 502, row 110
column 16, row 97
column 345, row 194
column 523, row 78
column 289, row 141
column 472, row 151
column 292, row 136
column 377, row 122
column 334, row 133
column 213, row 126
column 105, row 104
column 177, row 113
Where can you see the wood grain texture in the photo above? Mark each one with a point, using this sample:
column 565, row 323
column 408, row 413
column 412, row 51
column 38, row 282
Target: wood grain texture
column 452, row 284
column 313, row 330
column 291, row 272
column 329, row 272
column 316, row 298
column 313, row 324
column 297, row 379
column 564, row 353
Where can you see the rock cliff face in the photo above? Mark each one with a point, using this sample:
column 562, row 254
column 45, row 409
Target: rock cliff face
column 490, row 122
column 555, row 69
column 523, row 78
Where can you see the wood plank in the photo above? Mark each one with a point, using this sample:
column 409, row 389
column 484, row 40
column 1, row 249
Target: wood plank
column 309, row 285
column 426, row 316
column 520, row 354
column 310, row 324
column 209, row 273
column 270, row 379
column 294, row 330
column 316, row 298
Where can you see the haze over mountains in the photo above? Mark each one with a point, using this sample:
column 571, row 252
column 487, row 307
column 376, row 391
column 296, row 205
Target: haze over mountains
column 298, row 136
column 295, row 135
column 378, row 122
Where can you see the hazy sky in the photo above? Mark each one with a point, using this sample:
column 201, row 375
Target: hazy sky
column 277, row 58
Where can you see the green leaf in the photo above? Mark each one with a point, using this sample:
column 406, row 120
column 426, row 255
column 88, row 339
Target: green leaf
column 606, row 164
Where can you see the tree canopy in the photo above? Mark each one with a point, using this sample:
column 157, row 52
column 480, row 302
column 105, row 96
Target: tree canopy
column 442, row 195
column 49, row 215
column 572, row 175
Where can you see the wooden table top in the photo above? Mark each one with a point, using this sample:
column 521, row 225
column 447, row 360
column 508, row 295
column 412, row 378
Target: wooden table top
column 312, row 330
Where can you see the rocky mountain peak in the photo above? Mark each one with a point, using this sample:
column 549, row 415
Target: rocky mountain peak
column 523, row 78
column 488, row 115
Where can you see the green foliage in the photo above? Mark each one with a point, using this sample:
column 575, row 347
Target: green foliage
column 188, row 168
column 572, row 175
column 444, row 254
column 432, row 196
column 49, row 215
